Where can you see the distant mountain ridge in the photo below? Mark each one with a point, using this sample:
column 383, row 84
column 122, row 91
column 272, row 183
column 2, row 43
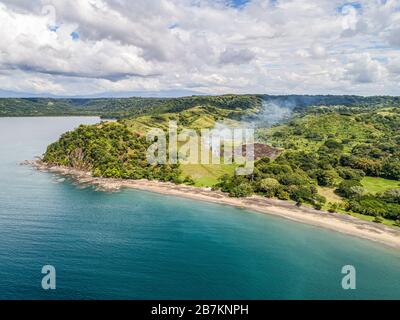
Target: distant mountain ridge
column 136, row 106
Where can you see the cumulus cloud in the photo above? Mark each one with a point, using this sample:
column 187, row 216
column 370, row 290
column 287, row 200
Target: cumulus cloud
column 295, row 46
column 394, row 37
column 318, row 51
column 236, row 56
column 364, row 69
column 394, row 66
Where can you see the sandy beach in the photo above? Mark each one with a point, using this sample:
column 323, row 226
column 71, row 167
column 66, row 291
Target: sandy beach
column 347, row 224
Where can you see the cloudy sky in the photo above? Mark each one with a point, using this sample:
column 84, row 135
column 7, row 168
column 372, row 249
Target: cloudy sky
column 116, row 47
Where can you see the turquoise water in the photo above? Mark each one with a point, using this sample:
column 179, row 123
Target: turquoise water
column 139, row 245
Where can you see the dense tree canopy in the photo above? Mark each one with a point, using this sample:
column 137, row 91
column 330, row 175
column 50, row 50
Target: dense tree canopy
column 108, row 150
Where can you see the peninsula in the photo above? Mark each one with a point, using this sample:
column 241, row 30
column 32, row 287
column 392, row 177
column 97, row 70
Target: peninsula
column 327, row 164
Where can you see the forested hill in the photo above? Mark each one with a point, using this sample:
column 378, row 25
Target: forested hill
column 136, row 106
column 301, row 101
column 337, row 158
column 121, row 107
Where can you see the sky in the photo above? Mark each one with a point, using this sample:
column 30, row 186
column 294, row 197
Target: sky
column 178, row 47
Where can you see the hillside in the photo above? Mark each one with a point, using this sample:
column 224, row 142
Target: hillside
column 198, row 117
column 121, row 107
column 333, row 157
column 352, row 156
column 118, row 149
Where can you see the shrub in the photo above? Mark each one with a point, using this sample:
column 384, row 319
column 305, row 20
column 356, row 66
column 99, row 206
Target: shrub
column 326, row 178
column 333, row 144
column 333, row 207
column 290, row 179
column 392, row 195
column 283, row 195
column 189, row 181
column 391, row 169
column 242, row 190
column 350, row 174
column 378, row 219
column 301, row 194
column 345, row 188
column 318, row 206
column 269, row 186
column 368, row 205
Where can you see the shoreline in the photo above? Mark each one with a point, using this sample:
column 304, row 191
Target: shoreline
column 342, row 223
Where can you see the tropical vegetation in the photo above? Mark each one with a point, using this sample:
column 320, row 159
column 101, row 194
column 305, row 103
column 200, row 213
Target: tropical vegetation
column 339, row 157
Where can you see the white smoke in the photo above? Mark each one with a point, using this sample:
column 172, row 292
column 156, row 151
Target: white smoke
column 272, row 113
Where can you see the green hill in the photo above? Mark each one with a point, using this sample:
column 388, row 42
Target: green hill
column 334, row 156
column 118, row 108
column 121, row 107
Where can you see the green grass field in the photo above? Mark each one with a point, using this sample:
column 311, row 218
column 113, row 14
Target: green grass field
column 206, row 175
column 375, row 185
column 329, row 194
column 200, row 117
column 370, row 184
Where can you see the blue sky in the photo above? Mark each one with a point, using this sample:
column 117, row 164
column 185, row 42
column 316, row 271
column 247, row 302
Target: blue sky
column 239, row 3
column 74, row 35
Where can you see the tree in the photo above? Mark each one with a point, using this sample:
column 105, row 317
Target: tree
column 242, row 190
column 345, row 188
column 391, row 169
column 301, row 194
column 326, row 178
column 350, row 174
column 269, row 186
column 333, row 145
column 392, row 195
column 293, row 179
column 356, row 191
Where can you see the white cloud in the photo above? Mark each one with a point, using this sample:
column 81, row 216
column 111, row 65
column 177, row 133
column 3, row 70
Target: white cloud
column 235, row 56
column 363, row 69
column 318, row 51
column 299, row 46
column 394, row 66
column 394, row 37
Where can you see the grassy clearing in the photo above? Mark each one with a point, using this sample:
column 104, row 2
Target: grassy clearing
column 329, row 194
column 207, row 175
column 375, row 185
column 197, row 118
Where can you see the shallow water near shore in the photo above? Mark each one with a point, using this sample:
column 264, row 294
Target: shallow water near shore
column 139, row 245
